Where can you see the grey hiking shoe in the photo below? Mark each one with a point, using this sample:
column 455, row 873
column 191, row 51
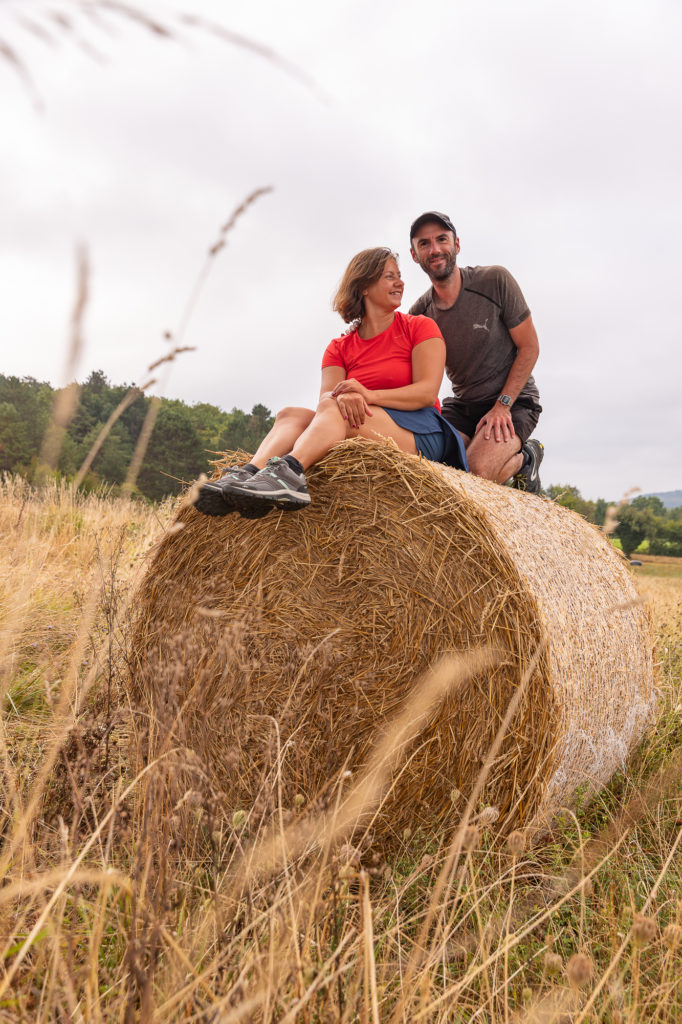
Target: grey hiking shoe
column 216, row 500
column 276, row 486
column 528, row 477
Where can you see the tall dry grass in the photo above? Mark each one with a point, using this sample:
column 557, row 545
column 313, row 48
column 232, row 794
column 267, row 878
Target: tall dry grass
column 86, row 25
column 136, row 891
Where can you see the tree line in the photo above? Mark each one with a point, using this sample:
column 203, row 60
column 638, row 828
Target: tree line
column 180, row 447
column 185, row 437
column 644, row 519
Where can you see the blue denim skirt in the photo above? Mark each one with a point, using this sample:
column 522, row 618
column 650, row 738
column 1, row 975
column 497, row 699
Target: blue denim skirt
column 435, row 438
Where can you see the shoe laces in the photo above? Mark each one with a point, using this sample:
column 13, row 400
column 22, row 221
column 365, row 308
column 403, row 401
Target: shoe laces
column 273, row 465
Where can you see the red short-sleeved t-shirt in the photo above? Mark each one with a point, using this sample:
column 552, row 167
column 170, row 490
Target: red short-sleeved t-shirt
column 384, row 361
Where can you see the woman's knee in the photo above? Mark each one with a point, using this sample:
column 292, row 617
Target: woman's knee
column 326, row 405
column 295, row 414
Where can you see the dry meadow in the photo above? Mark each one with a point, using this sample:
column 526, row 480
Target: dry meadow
column 133, row 890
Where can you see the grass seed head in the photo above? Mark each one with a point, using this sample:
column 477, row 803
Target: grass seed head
column 350, row 855
column 516, row 843
column 672, row 936
column 643, row 930
column 488, row 816
column 238, row 819
column 553, row 964
column 579, row 970
column 470, row 838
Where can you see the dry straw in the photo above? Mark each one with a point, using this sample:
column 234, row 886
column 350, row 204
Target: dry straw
column 309, row 630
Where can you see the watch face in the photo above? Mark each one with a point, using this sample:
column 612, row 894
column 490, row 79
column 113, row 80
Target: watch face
column 504, row 399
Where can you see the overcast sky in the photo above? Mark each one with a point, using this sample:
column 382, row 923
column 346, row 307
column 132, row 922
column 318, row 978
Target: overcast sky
column 550, row 133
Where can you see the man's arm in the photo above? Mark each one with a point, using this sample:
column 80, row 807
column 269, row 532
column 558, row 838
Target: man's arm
column 498, row 421
column 527, row 351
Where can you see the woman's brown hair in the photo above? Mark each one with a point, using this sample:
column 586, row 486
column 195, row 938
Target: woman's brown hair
column 362, row 271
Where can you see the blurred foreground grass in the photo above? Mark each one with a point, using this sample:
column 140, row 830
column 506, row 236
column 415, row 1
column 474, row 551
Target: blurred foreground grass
column 128, row 898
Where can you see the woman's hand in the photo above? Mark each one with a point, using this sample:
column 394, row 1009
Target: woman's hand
column 353, row 408
column 354, row 386
column 353, row 400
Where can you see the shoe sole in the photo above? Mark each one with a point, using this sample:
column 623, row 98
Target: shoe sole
column 520, row 484
column 252, row 506
column 529, row 490
column 214, row 501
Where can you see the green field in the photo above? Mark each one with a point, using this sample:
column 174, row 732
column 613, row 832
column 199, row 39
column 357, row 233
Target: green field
column 658, row 568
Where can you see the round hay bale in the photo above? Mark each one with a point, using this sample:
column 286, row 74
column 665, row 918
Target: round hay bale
column 289, row 642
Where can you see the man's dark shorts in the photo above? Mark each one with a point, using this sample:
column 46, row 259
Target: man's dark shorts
column 465, row 418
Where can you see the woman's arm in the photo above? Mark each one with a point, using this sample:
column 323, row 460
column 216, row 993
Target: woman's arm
column 428, row 366
column 332, row 376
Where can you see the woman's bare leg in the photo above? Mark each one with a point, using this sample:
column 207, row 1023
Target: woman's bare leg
column 288, row 426
column 328, row 428
column 380, row 425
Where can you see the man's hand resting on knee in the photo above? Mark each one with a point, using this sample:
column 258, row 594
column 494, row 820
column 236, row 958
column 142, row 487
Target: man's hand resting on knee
column 496, row 423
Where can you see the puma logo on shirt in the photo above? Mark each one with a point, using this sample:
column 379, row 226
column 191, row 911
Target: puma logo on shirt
column 482, row 327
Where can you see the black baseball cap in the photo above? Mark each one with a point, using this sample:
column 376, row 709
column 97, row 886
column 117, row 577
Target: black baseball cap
column 430, row 215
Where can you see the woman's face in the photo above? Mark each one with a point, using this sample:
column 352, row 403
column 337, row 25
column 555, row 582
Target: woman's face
column 387, row 292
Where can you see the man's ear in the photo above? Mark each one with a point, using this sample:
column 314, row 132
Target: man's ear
column 414, row 255
column 457, row 246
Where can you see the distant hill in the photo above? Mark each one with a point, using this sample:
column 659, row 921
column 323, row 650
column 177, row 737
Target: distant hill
column 671, row 499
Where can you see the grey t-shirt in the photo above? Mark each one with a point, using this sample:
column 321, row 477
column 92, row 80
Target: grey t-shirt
column 479, row 348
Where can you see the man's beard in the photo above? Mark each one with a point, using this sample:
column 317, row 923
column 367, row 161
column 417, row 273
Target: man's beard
column 445, row 270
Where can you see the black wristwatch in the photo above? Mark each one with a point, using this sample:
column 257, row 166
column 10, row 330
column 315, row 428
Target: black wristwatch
column 505, row 400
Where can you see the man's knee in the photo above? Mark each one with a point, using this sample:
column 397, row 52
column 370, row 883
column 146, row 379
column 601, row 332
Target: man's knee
column 480, row 465
column 487, row 458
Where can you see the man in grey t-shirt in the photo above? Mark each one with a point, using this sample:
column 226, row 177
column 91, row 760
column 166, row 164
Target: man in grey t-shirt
column 491, row 349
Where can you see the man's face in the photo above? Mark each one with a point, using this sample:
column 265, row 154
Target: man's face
column 435, row 249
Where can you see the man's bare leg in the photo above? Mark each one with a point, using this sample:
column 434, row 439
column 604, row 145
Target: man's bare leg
column 494, row 460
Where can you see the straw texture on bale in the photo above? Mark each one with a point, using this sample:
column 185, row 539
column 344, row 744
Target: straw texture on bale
column 285, row 644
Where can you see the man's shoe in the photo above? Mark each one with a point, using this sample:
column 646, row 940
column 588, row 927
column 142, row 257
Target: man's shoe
column 528, row 477
column 215, row 498
column 278, row 485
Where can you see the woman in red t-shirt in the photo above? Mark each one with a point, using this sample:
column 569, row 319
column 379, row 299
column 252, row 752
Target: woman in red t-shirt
column 380, row 379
